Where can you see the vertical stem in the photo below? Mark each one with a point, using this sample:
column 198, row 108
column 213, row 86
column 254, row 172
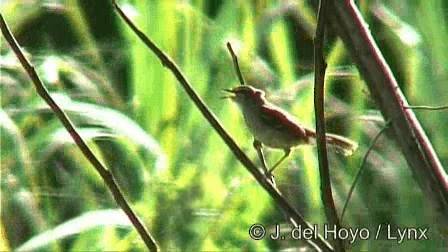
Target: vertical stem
column 319, row 80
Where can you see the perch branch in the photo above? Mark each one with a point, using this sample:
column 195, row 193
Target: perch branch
column 293, row 215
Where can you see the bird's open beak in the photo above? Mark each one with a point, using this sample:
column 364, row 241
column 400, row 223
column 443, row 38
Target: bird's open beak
column 230, row 96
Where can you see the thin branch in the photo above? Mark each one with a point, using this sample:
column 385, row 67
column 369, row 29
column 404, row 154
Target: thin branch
column 431, row 108
column 105, row 174
column 292, row 214
column 257, row 144
column 235, row 64
column 361, row 166
column 319, row 81
column 411, row 137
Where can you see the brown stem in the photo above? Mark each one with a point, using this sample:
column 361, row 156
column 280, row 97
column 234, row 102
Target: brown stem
column 414, row 143
column 235, row 64
column 105, row 174
column 293, row 215
column 319, row 81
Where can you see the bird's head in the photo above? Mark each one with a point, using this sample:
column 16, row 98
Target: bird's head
column 246, row 95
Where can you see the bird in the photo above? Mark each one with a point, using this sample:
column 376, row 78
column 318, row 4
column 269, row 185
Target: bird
column 276, row 128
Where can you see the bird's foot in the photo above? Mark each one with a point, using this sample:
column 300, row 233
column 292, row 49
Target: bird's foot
column 269, row 176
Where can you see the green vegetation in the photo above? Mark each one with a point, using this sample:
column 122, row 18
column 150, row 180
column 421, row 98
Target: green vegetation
column 178, row 175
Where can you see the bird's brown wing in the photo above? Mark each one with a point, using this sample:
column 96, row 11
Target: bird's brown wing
column 281, row 121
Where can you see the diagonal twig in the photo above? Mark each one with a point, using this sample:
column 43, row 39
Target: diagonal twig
column 105, row 174
column 430, row 108
column 293, row 215
column 361, row 168
column 319, row 82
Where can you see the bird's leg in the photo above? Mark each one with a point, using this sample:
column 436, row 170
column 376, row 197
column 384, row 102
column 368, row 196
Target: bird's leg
column 258, row 146
column 287, row 151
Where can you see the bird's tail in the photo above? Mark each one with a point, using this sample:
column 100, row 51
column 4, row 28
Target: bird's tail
column 342, row 144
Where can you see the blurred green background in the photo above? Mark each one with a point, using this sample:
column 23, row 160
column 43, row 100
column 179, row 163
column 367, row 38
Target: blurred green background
column 179, row 176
